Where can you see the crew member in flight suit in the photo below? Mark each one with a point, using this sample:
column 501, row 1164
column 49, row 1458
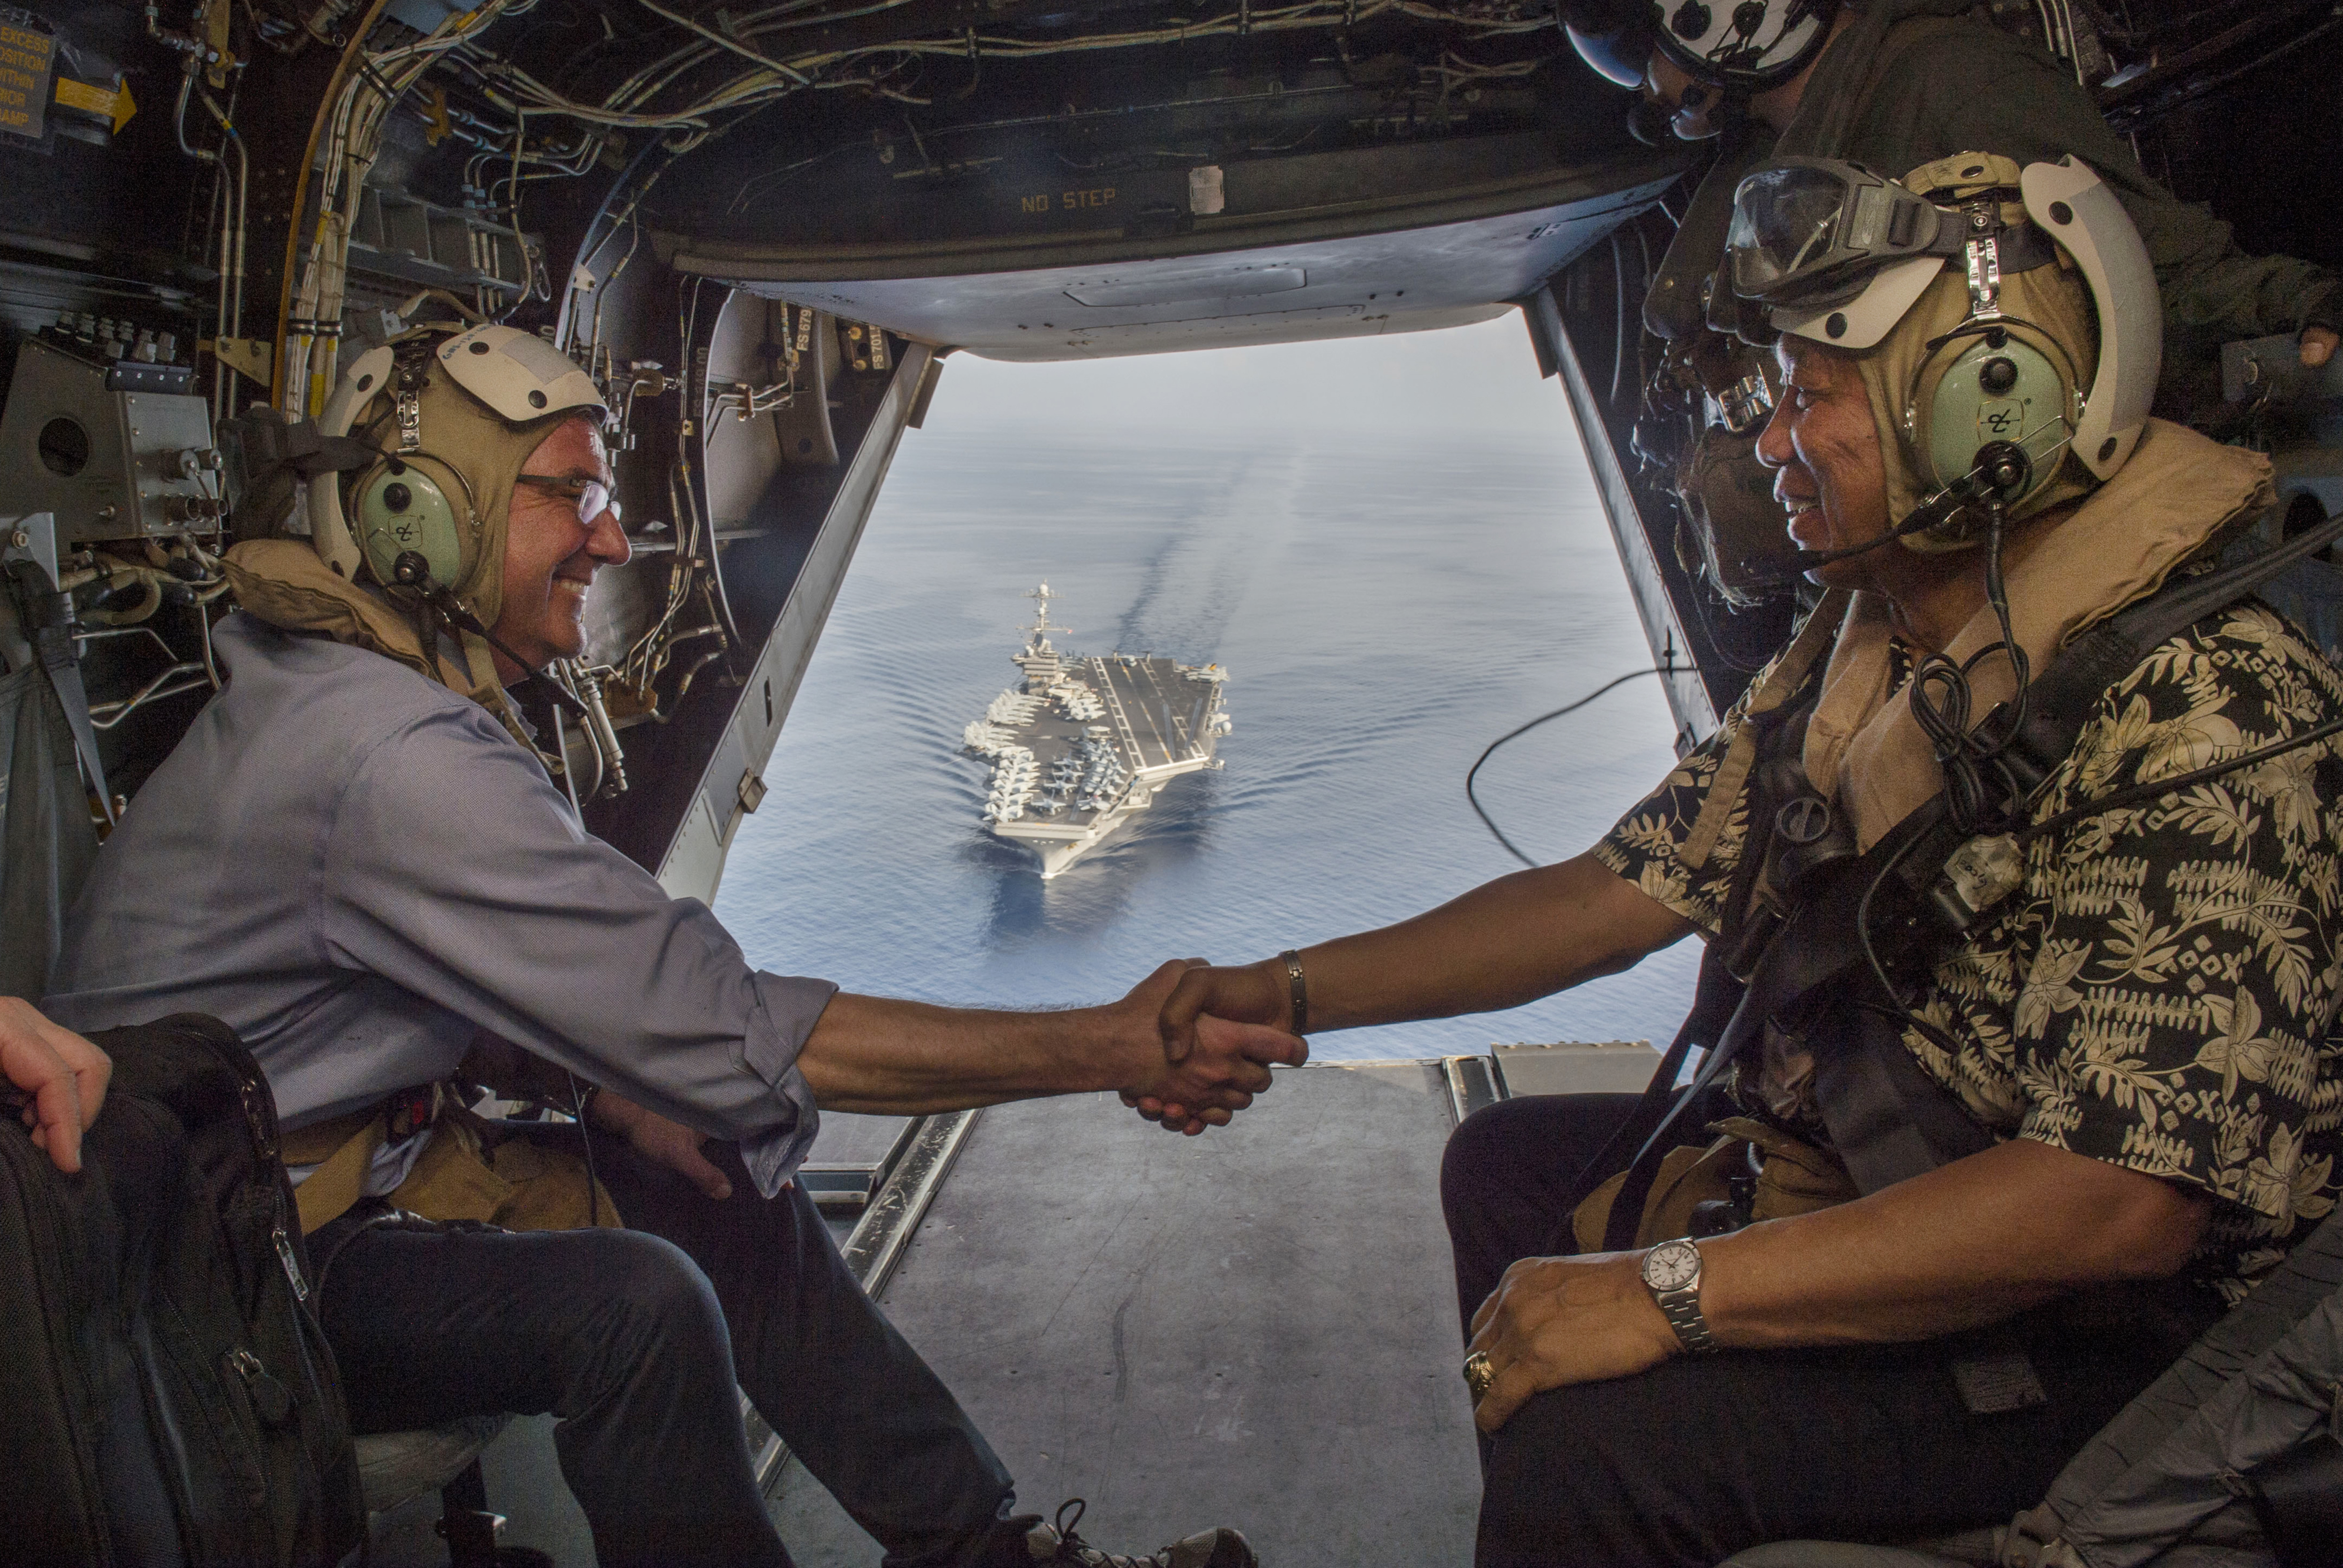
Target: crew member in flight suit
column 357, row 859
column 1896, row 83
column 2128, row 1041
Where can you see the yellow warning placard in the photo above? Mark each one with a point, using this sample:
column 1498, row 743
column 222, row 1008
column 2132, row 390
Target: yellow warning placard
column 27, row 59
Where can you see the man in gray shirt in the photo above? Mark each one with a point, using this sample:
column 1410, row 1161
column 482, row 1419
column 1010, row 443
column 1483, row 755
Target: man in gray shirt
column 357, row 859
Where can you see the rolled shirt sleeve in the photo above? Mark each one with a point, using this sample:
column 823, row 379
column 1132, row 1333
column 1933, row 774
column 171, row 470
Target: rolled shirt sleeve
column 455, row 870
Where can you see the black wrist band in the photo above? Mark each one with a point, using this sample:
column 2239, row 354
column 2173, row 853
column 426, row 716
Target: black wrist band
column 1301, row 991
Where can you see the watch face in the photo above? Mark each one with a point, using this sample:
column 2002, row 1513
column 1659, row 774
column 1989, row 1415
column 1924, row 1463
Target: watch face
column 1672, row 1265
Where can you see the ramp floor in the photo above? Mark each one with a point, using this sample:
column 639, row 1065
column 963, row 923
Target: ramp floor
column 1256, row 1327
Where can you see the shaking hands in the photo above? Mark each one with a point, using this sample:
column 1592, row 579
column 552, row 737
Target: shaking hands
column 1220, row 1028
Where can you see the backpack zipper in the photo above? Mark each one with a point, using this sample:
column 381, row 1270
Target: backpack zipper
column 260, row 1121
column 285, row 1255
column 258, row 1114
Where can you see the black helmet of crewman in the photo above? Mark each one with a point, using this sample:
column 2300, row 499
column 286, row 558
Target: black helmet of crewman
column 1738, row 46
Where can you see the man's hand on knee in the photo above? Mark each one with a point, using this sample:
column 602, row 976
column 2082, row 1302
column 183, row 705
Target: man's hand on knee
column 1553, row 1322
column 61, row 1076
column 659, row 1140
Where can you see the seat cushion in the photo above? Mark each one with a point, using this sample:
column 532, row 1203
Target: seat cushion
column 394, row 1466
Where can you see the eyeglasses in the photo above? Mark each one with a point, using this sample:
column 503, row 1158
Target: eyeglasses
column 593, row 497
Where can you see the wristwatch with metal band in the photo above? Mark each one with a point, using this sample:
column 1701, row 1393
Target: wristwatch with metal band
column 1672, row 1273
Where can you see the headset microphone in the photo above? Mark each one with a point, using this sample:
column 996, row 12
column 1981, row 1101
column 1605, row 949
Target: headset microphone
column 2002, row 468
column 411, row 570
column 1934, row 512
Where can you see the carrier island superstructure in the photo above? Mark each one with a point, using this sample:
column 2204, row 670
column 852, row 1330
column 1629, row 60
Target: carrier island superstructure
column 1086, row 742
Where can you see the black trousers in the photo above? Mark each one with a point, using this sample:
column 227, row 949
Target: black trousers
column 1700, row 1457
column 635, row 1339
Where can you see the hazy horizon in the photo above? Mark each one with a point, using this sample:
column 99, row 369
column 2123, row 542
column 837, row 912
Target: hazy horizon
column 1481, row 379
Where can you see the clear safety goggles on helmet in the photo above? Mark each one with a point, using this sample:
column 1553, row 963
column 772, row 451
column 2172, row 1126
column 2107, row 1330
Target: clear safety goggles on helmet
column 1808, row 228
column 1818, row 241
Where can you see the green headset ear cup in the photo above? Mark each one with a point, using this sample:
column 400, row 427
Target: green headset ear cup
column 398, row 508
column 1973, row 392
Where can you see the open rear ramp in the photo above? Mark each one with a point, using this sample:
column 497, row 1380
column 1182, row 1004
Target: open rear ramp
column 1256, row 1327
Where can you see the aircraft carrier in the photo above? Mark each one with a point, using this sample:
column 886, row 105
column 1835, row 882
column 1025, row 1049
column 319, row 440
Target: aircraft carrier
column 1087, row 742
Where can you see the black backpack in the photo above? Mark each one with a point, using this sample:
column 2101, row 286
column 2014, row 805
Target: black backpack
column 167, row 1396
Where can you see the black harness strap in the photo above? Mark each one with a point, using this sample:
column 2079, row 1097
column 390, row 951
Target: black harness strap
column 50, row 630
column 2062, row 698
column 1717, row 999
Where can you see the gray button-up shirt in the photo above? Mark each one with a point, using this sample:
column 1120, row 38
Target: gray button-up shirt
column 356, row 868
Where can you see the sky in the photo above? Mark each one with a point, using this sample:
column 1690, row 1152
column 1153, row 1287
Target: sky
column 1482, row 377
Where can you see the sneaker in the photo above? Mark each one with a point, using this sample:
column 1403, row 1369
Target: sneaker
column 1058, row 1543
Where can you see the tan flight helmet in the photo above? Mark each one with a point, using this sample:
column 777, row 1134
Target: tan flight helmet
column 456, row 418
column 2006, row 323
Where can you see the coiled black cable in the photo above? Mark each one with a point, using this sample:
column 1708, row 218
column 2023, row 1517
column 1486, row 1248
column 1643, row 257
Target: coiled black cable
column 1981, row 795
column 1494, row 831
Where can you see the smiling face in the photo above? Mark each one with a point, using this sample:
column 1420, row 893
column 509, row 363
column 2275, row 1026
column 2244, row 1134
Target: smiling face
column 551, row 554
column 1822, row 445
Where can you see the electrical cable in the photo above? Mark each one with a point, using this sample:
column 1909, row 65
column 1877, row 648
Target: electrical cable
column 1943, row 702
column 1494, row 831
column 593, row 1180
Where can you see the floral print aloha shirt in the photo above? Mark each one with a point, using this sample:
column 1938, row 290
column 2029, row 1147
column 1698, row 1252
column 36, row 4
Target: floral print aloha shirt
column 2161, row 991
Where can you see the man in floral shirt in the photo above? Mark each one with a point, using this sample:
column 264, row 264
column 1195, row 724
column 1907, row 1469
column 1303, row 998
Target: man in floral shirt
column 2158, row 992
column 2134, row 1038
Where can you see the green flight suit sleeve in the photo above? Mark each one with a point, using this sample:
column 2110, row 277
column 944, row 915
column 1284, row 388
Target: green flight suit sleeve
column 1968, row 87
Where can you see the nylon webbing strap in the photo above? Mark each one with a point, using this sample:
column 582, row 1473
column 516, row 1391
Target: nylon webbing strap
column 1648, row 1137
column 1894, row 1121
column 1714, row 997
column 1787, row 682
column 1888, row 1120
column 2062, row 698
column 51, row 634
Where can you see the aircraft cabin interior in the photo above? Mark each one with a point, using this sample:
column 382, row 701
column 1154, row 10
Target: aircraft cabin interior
column 766, row 230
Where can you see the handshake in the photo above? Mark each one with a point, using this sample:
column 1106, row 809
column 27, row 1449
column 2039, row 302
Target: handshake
column 1217, row 1029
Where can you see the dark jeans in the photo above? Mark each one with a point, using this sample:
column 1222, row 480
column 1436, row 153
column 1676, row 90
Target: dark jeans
column 1700, row 1457
column 624, row 1335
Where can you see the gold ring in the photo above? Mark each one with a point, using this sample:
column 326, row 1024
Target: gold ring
column 1479, row 1374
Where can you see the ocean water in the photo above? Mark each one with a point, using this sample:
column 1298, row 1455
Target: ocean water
column 1385, row 610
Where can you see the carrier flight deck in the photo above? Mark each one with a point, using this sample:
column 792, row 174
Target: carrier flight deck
column 1085, row 743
